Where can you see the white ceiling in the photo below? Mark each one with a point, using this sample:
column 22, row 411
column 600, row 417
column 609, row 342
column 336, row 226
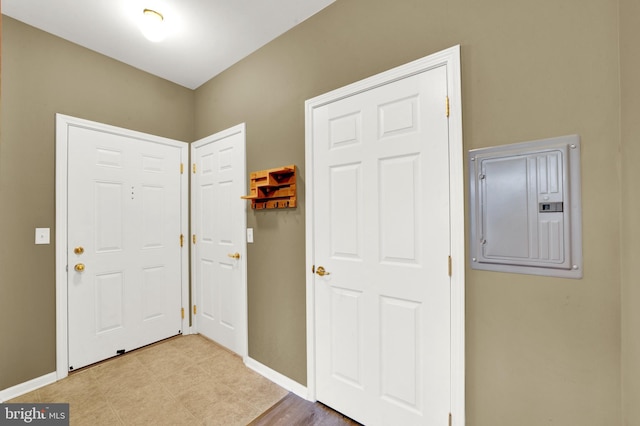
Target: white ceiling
column 206, row 36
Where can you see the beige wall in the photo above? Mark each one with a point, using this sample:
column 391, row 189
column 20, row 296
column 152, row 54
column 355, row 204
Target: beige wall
column 0, row 64
column 43, row 75
column 539, row 350
column 630, row 148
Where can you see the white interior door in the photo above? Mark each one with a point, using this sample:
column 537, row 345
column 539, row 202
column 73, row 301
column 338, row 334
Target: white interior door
column 218, row 226
column 124, row 221
column 381, row 232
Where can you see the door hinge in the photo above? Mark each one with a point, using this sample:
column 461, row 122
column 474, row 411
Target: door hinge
column 450, row 419
column 194, row 167
column 181, row 240
column 449, row 265
column 447, row 107
column 193, row 238
column 182, row 312
column 181, row 168
column 195, row 309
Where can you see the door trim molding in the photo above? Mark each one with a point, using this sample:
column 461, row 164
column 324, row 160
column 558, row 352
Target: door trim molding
column 63, row 123
column 244, row 321
column 451, row 58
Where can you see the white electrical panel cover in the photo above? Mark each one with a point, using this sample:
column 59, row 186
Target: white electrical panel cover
column 525, row 208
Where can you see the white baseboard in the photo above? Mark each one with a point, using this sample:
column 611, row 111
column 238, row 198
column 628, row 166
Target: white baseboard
column 277, row 378
column 26, row 387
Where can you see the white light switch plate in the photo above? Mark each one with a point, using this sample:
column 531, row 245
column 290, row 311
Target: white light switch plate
column 250, row 235
column 42, row 235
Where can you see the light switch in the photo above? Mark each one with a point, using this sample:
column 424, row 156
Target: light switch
column 42, row 235
column 250, row 235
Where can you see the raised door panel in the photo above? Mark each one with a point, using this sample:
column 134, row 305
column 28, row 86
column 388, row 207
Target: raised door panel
column 124, row 198
column 219, row 224
column 381, row 228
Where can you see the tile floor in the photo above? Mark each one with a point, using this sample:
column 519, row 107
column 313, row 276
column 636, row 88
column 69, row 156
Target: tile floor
column 186, row 380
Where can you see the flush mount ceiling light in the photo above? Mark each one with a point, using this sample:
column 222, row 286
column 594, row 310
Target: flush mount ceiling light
column 152, row 25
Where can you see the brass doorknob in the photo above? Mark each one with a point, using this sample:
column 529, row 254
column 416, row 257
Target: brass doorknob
column 79, row 267
column 322, row 272
column 235, row 255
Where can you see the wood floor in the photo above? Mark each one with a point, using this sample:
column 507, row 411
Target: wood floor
column 295, row 411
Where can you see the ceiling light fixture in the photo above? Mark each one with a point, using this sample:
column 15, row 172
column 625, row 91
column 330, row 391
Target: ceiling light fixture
column 152, row 25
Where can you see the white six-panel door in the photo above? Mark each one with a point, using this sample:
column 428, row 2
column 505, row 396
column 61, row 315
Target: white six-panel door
column 218, row 221
column 381, row 225
column 125, row 262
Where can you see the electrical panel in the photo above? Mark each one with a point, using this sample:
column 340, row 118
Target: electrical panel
column 526, row 208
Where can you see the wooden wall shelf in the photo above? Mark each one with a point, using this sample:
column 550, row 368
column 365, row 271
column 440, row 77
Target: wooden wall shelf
column 273, row 188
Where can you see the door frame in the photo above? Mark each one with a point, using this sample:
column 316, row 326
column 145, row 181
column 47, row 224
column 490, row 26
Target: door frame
column 451, row 58
column 63, row 123
column 242, row 263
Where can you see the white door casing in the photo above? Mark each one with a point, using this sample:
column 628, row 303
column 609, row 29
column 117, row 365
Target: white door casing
column 120, row 195
column 218, row 220
column 384, row 212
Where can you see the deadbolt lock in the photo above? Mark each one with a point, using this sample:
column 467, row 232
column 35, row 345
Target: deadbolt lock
column 78, row 250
